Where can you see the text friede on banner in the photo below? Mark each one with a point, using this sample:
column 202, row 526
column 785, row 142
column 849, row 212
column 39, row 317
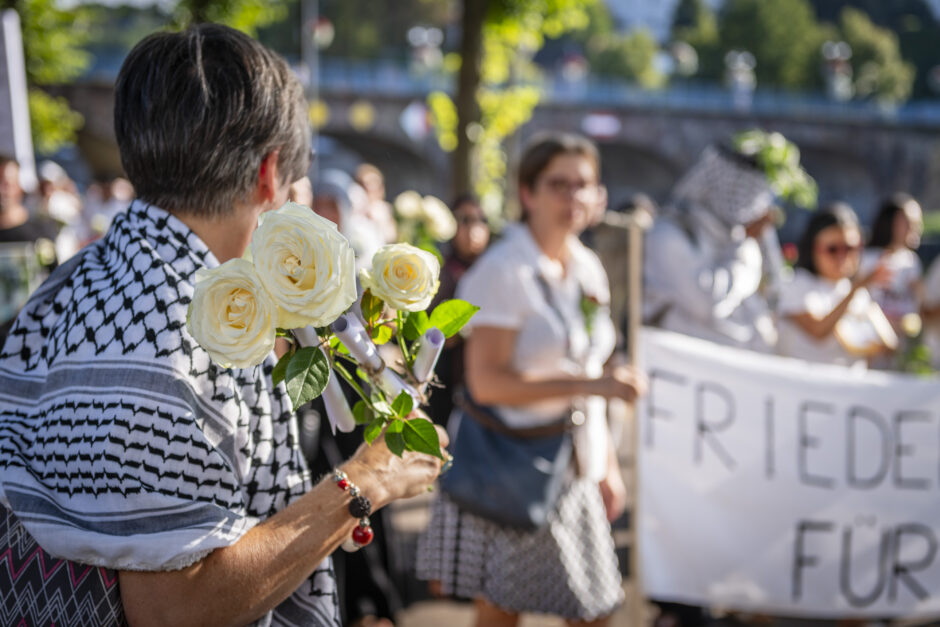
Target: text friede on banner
column 797, row 489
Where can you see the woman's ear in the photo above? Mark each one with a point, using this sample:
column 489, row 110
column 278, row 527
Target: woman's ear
column 269, row 180
column 525, row 201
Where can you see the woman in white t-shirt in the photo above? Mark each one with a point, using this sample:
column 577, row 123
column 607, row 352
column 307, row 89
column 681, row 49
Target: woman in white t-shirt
column 539, row 344
column 826, row 313
column 895, row 236
column 930, row 312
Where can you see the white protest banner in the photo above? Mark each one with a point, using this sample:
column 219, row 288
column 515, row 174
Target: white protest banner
column 787, row 488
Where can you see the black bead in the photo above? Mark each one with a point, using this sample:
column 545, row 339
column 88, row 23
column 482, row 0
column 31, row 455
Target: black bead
column 360, row 506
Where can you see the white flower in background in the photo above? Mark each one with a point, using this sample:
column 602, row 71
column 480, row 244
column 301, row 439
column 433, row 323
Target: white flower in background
column 306, row 266
column 438, row 219
column 231, row 315
column 409, row 206
column 404, row 276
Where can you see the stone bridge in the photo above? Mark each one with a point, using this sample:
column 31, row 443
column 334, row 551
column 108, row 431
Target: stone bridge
column 857, row 152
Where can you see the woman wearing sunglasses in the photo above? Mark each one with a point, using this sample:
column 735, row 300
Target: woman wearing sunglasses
column 826, row 313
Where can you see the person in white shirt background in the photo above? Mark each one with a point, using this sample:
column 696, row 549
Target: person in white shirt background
column 531, row 352
column 895, row 238
column 826, row 305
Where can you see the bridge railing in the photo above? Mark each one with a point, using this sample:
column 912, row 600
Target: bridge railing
column 397, row 79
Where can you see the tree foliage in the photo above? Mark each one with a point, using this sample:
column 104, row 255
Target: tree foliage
column 504, row 90
column 244, row 15
column 878, row 67
column 785, row 37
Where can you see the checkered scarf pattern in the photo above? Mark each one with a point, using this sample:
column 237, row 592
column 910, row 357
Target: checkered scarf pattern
column 732, row 192
column 122, row 445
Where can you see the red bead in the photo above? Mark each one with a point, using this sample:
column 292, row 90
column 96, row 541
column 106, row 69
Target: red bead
column 343, row 484
column 362, row 535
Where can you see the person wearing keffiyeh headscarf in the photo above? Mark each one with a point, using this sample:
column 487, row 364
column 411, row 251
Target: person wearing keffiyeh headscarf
column 703, row 260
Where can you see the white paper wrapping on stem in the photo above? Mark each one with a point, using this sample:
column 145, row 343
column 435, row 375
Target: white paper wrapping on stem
column 430, row 346
column 337, row 408
column 393, row 385
column 338, row 412
column 352, row 334
column 348, row 328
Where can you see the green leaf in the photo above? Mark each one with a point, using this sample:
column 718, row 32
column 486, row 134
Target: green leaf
column 371, row 307
column 403, row 404
column 421, row 436
column 307, row 375
column 394, row 438
column 380, row 406
column 280, row 369
column 373, row 430
column 416, row 323
column 451, row 315
column 362, row 413
column 338, row 346
column 381, row 334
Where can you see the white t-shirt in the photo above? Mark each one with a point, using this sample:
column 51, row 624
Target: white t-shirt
column 897, row 298
column 932, row 299
column 504, row 284
column 808, row 293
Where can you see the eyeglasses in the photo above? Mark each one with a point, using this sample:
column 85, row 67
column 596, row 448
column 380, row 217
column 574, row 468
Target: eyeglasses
column 470, row 220
column 563, row 187
column 839, row 249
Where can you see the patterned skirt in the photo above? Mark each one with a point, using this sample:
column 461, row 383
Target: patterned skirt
column 568, row 568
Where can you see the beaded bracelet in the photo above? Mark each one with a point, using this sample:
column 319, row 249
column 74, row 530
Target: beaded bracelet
column 359, row 507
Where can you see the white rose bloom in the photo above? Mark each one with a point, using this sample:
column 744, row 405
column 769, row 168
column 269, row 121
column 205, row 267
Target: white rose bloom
column 231, row 315
column 438, row 219
column 403, row 276
column 306, row 266
column 408, row 205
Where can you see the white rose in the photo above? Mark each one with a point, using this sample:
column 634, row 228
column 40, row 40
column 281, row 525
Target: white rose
column 231, row 315
column 403, row 276
column 438, row 219
column 306, row 265
column 408, row 205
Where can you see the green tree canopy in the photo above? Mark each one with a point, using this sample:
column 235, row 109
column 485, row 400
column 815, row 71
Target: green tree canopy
column 878, row 67
column 784, row 37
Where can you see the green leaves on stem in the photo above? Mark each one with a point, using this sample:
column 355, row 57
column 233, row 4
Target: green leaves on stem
column 451, row 316
column 307, row 373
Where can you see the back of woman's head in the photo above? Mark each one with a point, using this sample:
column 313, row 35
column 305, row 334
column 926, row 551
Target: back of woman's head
column 834, row 214
column 196, row 112
column 882, row 229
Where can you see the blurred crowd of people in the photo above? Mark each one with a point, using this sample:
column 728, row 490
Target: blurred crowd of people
column 843, row 299
column 42, row 229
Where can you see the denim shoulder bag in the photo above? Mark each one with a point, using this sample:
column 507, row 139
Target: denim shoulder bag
column 510, row 476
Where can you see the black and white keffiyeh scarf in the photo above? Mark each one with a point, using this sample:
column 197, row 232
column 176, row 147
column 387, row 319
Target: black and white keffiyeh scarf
column 733, row 192
column 122, row 445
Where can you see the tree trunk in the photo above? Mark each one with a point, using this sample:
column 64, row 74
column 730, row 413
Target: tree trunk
column 468, row 82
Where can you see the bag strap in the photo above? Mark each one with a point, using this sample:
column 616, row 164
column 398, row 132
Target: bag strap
column 550, row 301
column 483, row 417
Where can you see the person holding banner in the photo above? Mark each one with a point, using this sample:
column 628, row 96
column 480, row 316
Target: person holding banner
column 535, row 372
column 703, row 262
column 826, row 312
